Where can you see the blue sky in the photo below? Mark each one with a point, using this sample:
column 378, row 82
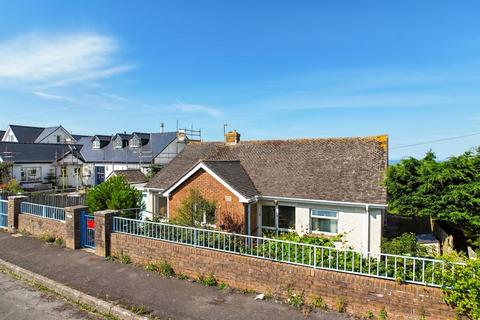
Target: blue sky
column 270, row 69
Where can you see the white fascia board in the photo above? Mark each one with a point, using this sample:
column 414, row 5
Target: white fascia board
column 199, row 166
column 327, row 202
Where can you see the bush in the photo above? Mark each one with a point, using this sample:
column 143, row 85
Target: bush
column 317, row 302
column 114, row 194
column 462, row 289
column 193, row 208
column 406, row 244
column 13, row 186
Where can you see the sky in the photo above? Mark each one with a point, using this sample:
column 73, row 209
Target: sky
column 269, row 69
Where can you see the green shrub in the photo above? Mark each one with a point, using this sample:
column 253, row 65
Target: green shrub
column 192, row 209
column 208, row 280
column 295, row 300
column 223, row 286
column 59, row 241
column 369, row 315
column 341, row 305
column 406, row 244
column 165, row 269
column 317, row 302
column 462, row 289
column 47, row 238
column 181, row 276
column 115, row 193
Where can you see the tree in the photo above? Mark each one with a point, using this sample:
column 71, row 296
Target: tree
column 5, row 169
column 195, row 210
column 447, row 190
column 114, row 194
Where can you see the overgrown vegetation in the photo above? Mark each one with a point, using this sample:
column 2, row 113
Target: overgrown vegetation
column 462, row 289
column 382, row 314
column 448, row 190
column 114, row 194
column 195, row 210
column 125, row 259
column 406, row 245
column 5, row 170
column 341, row 305
column 317, row 302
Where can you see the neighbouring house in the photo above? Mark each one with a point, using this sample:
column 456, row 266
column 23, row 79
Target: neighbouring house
column 328, row 186
column 46, row 157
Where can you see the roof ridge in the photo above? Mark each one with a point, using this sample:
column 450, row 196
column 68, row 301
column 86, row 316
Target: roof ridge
column 32, row 127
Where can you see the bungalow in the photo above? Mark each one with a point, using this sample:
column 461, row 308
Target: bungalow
column 320, row 186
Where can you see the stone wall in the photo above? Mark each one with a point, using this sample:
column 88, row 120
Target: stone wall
column 38, row 226
column 363, row 294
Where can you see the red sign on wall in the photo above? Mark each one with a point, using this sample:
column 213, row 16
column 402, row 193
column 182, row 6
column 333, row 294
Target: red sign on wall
column 90, row 224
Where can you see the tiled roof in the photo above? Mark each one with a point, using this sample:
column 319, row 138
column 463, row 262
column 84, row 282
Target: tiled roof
column 34, row 152
column 157, row 143
column 334, row 169
column 26, row 134
column 235, row 175
column 131, row 175
column 2, row 133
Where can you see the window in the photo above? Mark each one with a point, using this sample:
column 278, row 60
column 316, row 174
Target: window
column 77, row 171
column 286, row 217
column 324, row 221
column 96, row 144
column 118, row 143
column 30, row 174
column 135, row 142
column 58, row 139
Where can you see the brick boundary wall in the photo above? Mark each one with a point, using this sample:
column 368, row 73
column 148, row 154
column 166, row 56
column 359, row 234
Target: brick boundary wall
column 363, row 294
column 38, row 226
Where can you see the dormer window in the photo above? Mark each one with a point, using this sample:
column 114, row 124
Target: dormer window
column 135, row 142
column 118, row 143
column 96, row 144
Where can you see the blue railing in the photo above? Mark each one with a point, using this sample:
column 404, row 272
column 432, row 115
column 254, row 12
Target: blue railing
column 43, row 211
column 87, row 231
column 3, row 213
column 409, row 269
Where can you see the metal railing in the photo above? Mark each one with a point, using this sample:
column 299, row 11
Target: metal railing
column 43, row 211
column 3, row 213
column 409, row 269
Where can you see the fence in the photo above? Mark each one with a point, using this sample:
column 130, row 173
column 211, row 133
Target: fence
column 61, row 200
column 43, row 211
column 3, row 213
column 380, row 265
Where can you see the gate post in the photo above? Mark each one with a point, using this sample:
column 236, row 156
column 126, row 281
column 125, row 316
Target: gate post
column 103, row 229
column 72, row 226
column 14, row 211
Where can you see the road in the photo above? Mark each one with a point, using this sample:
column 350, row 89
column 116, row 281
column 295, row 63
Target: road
column 19, row 301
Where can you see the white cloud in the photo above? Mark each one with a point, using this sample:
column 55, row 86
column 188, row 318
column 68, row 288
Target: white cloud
column 192, row 108
column 54, row 97
column 59, row 60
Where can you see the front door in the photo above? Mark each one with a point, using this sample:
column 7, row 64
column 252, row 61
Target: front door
column 99, row 175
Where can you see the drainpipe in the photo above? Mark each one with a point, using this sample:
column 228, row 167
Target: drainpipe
column 249, row 219
column 367, row 208
column 276, row 217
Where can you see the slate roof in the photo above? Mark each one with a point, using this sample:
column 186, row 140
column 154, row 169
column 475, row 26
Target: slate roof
column 2, row 133
column 235, row 175
column 45, row 133
column 35, row 152
column 26, row 134
column 334, row 169
column 107, row 154
column 131, row 175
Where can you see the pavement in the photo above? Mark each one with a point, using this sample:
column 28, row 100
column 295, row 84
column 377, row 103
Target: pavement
column 19, row 301
column 132, row 286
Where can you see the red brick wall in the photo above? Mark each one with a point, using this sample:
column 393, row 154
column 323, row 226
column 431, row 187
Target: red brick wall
column 211, row 189
column 38, row 226
column 363, row 294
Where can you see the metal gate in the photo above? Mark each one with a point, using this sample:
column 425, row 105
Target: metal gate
column 3, row 214
column 87, row 230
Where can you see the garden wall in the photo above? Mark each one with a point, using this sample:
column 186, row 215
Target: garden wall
column 363, row 294
column 38, row 226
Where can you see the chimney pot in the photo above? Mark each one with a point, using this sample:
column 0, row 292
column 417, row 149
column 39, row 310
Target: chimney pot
column 232, row 137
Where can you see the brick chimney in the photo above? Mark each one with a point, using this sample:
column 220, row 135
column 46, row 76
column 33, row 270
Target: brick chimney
column 232, row 137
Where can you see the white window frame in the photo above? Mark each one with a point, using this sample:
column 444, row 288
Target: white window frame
column 25, row 176
column 324, row 218
column 116, row 143
column 135, row 142
column 96, row 144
